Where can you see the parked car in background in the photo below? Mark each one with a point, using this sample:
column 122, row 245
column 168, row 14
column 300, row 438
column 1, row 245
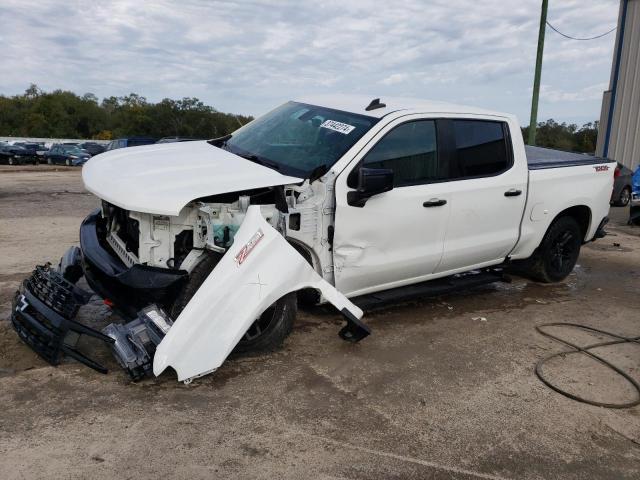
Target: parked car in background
column 178, row 139
column 16, row 155
column 621, row 186
column 130, row 142
column 32, row 151
column 70, row 155
column 92, row 148
column 41, row 150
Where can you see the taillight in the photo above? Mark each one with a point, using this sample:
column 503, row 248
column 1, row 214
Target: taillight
column 616, row 174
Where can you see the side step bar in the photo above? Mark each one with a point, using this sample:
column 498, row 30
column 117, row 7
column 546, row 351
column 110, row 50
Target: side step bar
column 431, row 288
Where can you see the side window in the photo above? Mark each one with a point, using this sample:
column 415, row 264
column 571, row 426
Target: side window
column 480, row 148
column 409, row 150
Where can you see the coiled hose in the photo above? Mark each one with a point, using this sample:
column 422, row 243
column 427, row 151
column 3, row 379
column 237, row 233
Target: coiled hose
column 588, row 351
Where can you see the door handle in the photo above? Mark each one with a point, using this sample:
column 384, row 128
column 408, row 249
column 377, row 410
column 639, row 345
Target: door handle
column 512, row 193
column 434, row 202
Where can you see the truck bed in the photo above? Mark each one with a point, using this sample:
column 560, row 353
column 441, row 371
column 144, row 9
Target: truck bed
column 539, row 158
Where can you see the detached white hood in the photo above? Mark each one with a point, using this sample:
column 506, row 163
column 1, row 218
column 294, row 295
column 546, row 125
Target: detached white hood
column 163, row 178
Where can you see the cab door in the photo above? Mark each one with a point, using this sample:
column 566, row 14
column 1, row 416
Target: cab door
column 396, row 237
column 487, row 192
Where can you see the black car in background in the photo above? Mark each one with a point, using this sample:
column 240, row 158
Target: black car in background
column 130, row 142
column 16, row 155
column 70, row 155
column 92, row 148
column 31, row 148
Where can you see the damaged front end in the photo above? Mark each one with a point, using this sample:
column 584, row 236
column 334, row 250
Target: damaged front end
column 257, row 268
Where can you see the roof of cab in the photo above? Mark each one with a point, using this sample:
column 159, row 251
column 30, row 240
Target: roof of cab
column 358, row 104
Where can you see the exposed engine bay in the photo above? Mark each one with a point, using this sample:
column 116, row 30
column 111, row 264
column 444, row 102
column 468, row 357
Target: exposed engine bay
column 175, row 242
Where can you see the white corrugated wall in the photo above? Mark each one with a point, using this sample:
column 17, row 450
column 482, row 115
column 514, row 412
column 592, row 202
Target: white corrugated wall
column 624, row 137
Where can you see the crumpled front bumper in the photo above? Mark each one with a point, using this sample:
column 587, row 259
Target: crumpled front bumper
column 42, row 314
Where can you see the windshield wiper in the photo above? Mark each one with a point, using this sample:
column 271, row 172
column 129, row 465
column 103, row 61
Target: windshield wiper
column 259, row 160
column 221, row 142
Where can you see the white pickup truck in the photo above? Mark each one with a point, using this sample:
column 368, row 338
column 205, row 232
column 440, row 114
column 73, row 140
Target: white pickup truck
column 354, row 199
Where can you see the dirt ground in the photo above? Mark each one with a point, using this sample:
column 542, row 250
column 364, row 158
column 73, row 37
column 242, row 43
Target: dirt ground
column 443, row 388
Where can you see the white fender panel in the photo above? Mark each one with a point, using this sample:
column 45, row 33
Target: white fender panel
column 258, row 269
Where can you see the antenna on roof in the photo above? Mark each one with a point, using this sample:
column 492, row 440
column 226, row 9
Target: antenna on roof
column 375, row 103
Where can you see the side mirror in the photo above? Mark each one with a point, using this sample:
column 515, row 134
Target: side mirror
column 371, row 181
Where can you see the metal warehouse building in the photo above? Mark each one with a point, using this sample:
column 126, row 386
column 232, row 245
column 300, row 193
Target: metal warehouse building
column 619, row 132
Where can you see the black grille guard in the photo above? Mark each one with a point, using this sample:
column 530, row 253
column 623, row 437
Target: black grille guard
column 42, row 314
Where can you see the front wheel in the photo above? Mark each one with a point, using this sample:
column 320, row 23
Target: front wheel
column 12, row 161
column 266, row 333
column 558, row 253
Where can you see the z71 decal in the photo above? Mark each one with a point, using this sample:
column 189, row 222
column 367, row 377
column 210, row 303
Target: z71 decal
column 249, row 246
column 601, row 168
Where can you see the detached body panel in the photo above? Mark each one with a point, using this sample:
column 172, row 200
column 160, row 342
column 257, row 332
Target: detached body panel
column 257, row 270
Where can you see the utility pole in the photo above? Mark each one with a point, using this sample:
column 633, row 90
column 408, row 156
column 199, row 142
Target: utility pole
column 533, row 122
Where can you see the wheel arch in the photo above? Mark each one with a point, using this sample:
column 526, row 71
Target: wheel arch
column 308, row 296
column 581, row 214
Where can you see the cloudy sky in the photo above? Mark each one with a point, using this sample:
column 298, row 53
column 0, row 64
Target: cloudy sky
column 249, row 56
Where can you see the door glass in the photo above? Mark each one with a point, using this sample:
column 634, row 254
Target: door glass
column 481, row 148
column 410, row 151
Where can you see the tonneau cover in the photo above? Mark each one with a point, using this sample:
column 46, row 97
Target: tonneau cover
column 539, row 157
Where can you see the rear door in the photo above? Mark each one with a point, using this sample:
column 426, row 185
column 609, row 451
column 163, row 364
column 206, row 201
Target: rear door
column 397, row 237
column 487, row 192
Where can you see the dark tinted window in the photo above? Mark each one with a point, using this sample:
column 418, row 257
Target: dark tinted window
column 481, row 148
column 410, row 151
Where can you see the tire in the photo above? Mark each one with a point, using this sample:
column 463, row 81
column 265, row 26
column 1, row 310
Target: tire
column 267, row 333
column 49, row 161
column 624, row 198
column 558, row 253
column 11, row 161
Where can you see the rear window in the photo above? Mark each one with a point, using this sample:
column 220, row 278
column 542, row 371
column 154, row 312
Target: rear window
column 481, row 148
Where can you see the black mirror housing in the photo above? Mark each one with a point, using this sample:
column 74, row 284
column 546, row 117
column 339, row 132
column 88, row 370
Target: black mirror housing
column 371, row 181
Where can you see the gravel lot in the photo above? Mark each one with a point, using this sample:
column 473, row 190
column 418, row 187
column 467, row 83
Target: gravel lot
column 432, row 393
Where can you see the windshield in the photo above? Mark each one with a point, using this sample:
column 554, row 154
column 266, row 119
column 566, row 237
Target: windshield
column 297, row 139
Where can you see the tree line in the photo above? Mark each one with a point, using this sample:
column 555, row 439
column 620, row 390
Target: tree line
column 564, row 136
column 63, row 114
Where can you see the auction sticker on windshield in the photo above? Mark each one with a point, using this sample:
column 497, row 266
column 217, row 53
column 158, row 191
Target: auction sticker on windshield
column 344, row 128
